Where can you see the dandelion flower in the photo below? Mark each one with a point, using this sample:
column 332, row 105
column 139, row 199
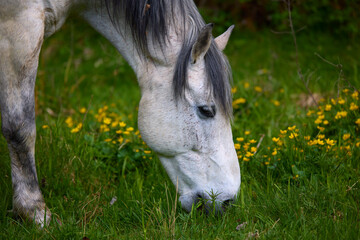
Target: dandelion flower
column 252, row 141
column 240, row 139
column 237, row 146
column 274, row 139
column 246, row 159
column 247, row 132
column 147, row 151
column 45, row 126
column 122, row 124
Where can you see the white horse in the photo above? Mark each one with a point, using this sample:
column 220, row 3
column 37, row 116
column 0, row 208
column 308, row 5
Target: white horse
column 185, row 108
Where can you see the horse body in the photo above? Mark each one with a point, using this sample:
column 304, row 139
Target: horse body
column 184, row 108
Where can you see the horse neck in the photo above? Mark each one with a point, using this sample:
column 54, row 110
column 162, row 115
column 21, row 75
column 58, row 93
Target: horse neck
column 160, row 58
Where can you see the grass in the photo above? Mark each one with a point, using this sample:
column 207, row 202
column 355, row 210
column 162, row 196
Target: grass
column 303, row 191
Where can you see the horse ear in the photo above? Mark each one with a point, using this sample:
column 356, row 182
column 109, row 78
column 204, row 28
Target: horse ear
column 202, row 43
column 223, row 39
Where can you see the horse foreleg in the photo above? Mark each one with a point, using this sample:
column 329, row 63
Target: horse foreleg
column 20, row 43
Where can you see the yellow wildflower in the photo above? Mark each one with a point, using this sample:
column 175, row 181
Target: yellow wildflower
column 247, row 132
column 258, row 89
column 45, row 126
column 233, row 90
column 310, row 112
column 283, row 131
column 325, row 122
column 307, row 138
column 69, row 122
column 274, row 152
column 249, row 154
column 147, row 151
column 328, row 107
column 292, row 128
column 275, row 139
column 246, row 159
column 253, row 149
column 346, row 136
column 321, row 136
column 357, row 144
column 353, row 107
column 246, row 146
column 320, row 142
column 82, row 110
column 130, row 129
column 358, row 121
column 276, row 103
column 107, row 121
column 120, row 140
column 312, row 142
column 321, row 128
column 345, row 90
column 330, row 142
column 333, row 101
column 119, row 131
column 252, row 141
column 126, row 133
column 340, row 114
column 122, row 124
column 239, row 101
column 237, row 146
column 108, row 140
column 318, row 121
column 240, row 139
column 77, row 128
column 355, row 95
column 341, row 101
column 293, row 135
column 266, row 163
column 246, row 85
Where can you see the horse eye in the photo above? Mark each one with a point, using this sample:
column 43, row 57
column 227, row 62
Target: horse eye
column 207, row 111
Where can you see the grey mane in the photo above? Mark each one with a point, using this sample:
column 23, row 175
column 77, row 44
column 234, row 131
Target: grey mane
column 151, row 18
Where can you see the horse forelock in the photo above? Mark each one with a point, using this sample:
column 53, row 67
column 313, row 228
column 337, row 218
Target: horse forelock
column 152, row 18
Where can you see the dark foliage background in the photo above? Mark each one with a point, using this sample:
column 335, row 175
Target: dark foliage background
column 338, row 17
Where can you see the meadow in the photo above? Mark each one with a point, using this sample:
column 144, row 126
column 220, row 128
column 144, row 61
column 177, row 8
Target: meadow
column 299, row 160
